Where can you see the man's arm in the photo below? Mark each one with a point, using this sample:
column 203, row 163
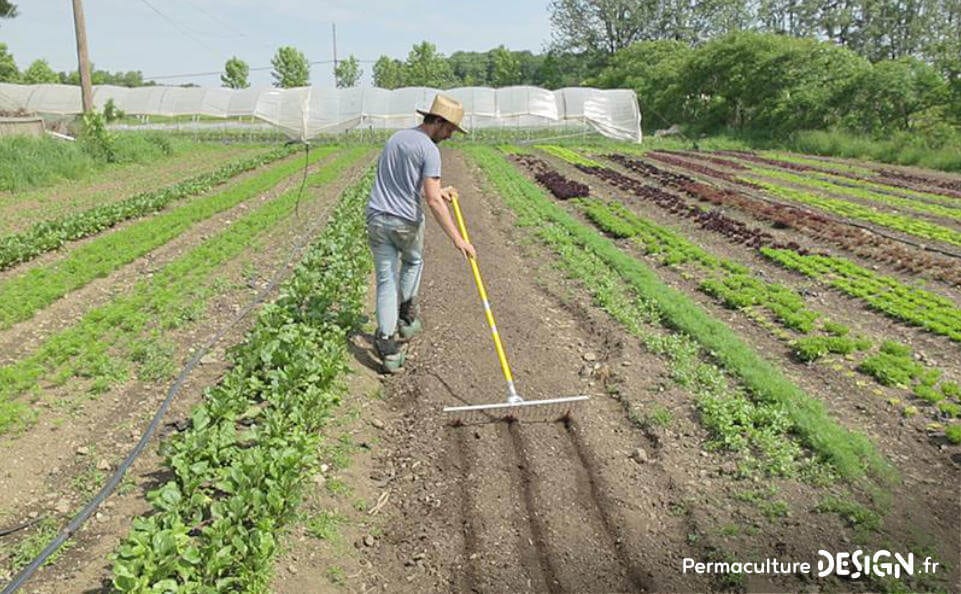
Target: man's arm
column 435, row 200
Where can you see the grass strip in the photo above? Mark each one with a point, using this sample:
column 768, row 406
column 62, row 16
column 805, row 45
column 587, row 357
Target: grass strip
column 850, row 453
column 46, row 236
column 22, row 296
column 240, row 469
column 83, row 349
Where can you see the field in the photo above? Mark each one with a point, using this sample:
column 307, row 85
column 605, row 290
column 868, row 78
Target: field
column 770, row 342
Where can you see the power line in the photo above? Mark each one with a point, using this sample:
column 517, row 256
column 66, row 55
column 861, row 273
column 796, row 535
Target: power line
column 215, row 17
column 178, row 26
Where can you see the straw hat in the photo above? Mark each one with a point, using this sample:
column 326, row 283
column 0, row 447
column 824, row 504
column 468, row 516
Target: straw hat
column 447, row 108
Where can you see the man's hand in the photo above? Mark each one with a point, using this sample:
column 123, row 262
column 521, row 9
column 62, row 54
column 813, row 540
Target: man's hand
column 465, row 247
column 448, row 193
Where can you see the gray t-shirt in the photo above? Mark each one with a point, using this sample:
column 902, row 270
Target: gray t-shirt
column 409, row 157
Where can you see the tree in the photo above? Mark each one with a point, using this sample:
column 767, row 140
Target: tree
column 7, row 10
column 887, row 96
column 653, row 69
column 235, row 74
column 132, row 78
column 290, row 68
column 389, row 73
column 39, row 73
column 347, row 73
column 504, row 68
column 469, row 68
column 599, row 25
column 427, row 68
column 8, row 67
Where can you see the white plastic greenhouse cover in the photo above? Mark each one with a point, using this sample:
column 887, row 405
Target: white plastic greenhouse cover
column 304, row 112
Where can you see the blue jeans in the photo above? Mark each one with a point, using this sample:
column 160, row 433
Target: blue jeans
column 397, row 246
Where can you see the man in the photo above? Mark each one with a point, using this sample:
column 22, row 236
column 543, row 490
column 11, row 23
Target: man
column 408, row 167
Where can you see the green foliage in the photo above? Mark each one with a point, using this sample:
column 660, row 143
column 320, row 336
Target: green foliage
column 887, row 96
column 425, row 67
column 50, row 235
column 325, row 525
column 27, row 162
column 850, row 453
column 933, row 312
column 389, row 73
column 742, row 290
column 24, row 294
column 601, row 27
column 251, row 442
column 32, row 544
column 504, row 69
column 7, row 10
column 770, row 82
column 95, row 139
column 953, row 433
column 236, row 73
column 87, row 348
column 112, row 113
column 132, row 78
column 811, row 348
column 347, row 72
column 951, row 390
column 857, row 515
column 39, row 72
column 9, row 72
column 653, row 70
column 291, row 68
column 892, row 365
column 928, row 394
column 949, row 409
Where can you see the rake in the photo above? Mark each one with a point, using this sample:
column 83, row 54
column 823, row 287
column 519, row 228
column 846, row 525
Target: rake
column 514, row 408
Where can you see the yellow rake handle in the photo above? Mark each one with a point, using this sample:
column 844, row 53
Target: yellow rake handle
column 501, row 356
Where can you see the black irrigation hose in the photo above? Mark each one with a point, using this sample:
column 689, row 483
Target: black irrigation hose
column 88, row 510
column 25, row 525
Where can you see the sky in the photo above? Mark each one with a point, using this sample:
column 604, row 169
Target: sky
column 171, row 38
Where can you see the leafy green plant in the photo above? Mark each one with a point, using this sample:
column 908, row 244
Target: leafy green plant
column 239, row 470
column 892, row 365
column 953, row 433
column 95, row 139
column 812, row 348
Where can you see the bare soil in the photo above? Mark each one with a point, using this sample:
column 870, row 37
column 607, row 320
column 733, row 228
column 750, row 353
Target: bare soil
column 596, row 503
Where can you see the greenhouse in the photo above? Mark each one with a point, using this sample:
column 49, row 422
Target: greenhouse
column 305, row 112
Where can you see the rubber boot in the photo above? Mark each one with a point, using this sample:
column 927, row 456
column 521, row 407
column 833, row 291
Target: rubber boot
column 392, row 357
column 409, row 324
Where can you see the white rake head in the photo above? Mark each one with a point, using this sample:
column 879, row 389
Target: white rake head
column 548, row 410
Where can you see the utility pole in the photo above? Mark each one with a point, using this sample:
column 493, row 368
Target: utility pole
column 83, row 60
column 333, row 28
